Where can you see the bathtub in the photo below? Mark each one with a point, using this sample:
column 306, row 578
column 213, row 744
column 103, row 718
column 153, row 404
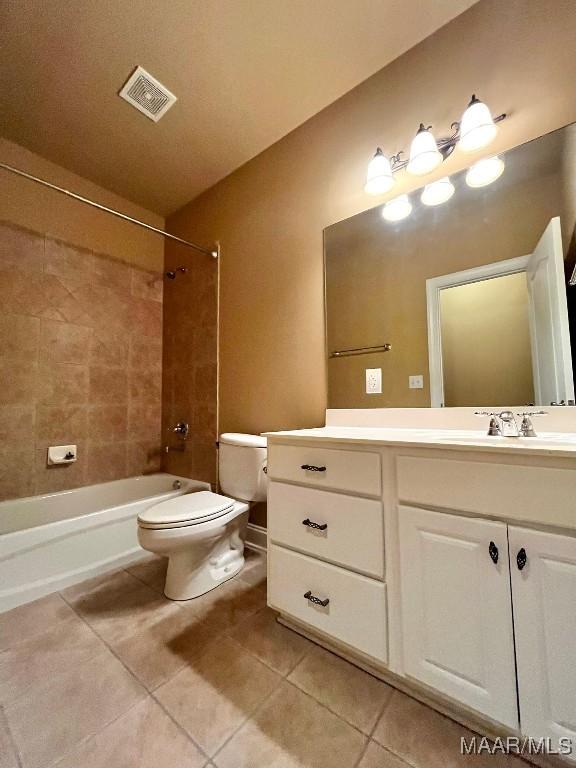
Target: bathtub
column 53, row 541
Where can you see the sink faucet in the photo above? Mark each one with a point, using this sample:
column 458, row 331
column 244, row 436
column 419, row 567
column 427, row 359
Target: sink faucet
column 504, row 424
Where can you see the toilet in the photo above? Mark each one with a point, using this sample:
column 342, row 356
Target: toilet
column 202, row 534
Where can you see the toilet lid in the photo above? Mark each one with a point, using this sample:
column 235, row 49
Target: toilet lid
column 186, row 510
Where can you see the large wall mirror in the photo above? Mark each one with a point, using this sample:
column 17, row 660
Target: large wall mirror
column 464, row 303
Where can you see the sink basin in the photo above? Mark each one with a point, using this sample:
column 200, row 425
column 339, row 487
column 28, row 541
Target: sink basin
column 546, row 440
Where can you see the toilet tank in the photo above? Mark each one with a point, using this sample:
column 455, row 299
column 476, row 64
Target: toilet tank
column 241, row 462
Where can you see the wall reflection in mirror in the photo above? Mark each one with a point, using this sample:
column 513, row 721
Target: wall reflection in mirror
column 462, row 302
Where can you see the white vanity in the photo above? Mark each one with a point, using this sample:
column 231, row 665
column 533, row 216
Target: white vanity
column 439, row 559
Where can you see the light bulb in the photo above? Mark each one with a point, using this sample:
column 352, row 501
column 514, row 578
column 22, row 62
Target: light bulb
column 485, row 171
column 437, row 192
column 379, row 178
column 424, row 154
column 477, row 128
column 397, row 209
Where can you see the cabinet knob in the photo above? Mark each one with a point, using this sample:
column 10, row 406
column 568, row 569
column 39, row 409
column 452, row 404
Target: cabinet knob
column 312, row 524
column 316, row 600
column 493, row 550
column 312, row 468
column 521, row 558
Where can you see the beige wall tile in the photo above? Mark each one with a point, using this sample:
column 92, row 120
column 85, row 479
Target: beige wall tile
column 20, row 249
column 67, row 261
column 147, row 285
column 146, row 385
column 144, row 458
column 64, row 342
column 17, row 381
column 107, row 423
column 108, row 385
column 19, row 337
column 144, row 419
column 106, row 462
column 145, row 352
column 17, row 420
column 62, row 384
column 61, row 424
column 16, row 470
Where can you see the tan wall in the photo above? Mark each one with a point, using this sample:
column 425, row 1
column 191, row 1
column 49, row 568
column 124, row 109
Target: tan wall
column 33, row 207
column 269, row 215
column 486, row 354
column 80, row 335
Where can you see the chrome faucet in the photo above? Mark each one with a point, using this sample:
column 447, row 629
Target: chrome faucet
column 504, row 424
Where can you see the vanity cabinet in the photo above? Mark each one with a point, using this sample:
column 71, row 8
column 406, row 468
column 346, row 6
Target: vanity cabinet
column 456, row 616
column 446, row 571
column 544, row 601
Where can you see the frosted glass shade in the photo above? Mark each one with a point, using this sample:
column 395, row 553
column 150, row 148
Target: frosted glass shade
column 424, row 154
column 397, row 209
column 477, row 128
column 437, row 192
column 379, row 178
column 485, row 171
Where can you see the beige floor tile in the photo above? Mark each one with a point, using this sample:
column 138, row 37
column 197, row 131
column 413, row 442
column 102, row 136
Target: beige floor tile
column 254, row 571
column 157, row 653
column 378, row 757
column 275, row 645
column 118, row 605
column 144, row 737
column 8, row 756
column 54, row 716
column 347, row 690
column 292, row 730
column 32, row 619
column 228, row 604
column 211, row 698
column 66, row 646
column 427, row 739
column 152, row 572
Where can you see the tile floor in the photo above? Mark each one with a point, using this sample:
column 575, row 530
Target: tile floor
column 110, row 674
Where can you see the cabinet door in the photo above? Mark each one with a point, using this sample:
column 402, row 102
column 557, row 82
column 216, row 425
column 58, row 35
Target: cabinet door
column 544, row 599
column 456, row 609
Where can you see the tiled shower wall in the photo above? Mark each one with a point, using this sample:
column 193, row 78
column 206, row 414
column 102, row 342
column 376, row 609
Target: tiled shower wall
column 80, row 362
column 189, row 391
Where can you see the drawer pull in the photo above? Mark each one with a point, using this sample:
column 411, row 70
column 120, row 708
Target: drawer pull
column 316, row 600
column 312, row 468
column 521, row 558
column 493, row 550
column 312, row 524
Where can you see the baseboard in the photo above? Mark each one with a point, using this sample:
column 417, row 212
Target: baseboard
column 256, row 537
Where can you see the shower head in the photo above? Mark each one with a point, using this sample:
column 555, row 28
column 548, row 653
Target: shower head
column 171, row 274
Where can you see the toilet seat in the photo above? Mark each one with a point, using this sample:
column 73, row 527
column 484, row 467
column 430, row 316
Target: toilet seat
column 187, row 510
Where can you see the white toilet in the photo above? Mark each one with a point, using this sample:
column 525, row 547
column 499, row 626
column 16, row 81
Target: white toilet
column 202, row 533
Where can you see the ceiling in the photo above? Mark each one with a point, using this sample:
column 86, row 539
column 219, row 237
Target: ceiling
column 246, row 73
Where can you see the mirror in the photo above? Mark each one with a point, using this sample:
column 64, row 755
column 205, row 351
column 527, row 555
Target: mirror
column 464, row 303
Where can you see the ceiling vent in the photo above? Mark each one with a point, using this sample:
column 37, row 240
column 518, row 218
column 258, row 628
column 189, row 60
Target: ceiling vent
column 146, row 94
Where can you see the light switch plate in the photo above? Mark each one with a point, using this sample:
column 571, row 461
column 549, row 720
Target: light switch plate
column 373, row 381
column 416, row 382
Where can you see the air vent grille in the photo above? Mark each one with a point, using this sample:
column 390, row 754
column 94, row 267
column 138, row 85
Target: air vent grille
column 147, row 94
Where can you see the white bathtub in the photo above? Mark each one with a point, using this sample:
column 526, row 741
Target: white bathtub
column 53, row 541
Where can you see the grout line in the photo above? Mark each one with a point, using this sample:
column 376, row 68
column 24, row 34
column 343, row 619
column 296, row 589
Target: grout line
column 179, row 726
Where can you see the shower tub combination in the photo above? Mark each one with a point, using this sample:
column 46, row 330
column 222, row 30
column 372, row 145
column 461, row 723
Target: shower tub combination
column 50, row 542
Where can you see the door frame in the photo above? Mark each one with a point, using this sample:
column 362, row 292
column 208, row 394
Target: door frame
column 433, row 287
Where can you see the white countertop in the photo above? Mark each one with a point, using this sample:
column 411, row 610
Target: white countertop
column 558, row 444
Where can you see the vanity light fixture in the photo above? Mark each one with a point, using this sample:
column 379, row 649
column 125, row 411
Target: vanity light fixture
column 485, row 171
column 397, row 209
column 437, row 192
column 424, row 153
column 379, row 178
column 477, row 128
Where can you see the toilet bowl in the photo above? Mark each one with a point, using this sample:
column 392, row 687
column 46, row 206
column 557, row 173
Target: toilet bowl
column 202, row 534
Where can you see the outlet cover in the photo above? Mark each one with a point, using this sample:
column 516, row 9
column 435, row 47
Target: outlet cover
column 373, row 381
column 416, row 382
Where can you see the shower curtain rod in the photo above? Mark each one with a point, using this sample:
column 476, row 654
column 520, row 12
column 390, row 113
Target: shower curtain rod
column 18, row 172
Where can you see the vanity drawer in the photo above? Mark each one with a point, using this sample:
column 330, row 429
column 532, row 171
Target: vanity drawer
column 355, row 471
column 356, row 610
column 351, row 532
